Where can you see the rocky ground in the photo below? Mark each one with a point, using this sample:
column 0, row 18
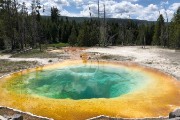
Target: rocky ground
column 165, row 60
column 10, row 114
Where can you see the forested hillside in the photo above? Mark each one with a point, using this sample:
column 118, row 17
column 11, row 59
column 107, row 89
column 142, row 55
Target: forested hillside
column 111, row 20
column 20, row 29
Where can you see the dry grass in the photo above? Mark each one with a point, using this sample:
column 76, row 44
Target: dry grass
column 36, row 54
column 10, row 66
column 115, row 58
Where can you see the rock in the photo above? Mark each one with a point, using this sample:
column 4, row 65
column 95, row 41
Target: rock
column 174, row 114
column 50, row 61
column 2, row 118
column 14, row 117
column 177, row 118
column 17, row 117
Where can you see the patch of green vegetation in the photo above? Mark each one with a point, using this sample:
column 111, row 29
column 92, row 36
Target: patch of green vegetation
column 58, row 45
column 116, row 58
column 35, row 53
column 149, row 62
column 106, row 57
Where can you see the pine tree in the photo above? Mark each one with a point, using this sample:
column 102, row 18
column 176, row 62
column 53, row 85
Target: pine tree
column 54, row 33
column 175, row 30
column 2, row 44
column 141, row 35
column 81, row 37
column 66, row 31
column 159, row 31
column 84, row 35
column 150, row 33
column 121, row 35
column 22, row 24
column 10, row 21
column 73, row 37
column 54, row 14
column 93, row 38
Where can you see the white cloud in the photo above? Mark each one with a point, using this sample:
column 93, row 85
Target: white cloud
column 66, row 13
column 131, row 0
column 151, row 12
column 114, row 8
column 174, row 6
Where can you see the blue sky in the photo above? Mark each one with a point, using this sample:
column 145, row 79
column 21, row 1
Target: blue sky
column 136, row 9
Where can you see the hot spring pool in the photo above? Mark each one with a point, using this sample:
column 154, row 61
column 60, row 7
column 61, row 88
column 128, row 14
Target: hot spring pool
column 78, row 82
column 74, row 90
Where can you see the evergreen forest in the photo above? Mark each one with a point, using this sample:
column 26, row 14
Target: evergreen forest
column 21, row 29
